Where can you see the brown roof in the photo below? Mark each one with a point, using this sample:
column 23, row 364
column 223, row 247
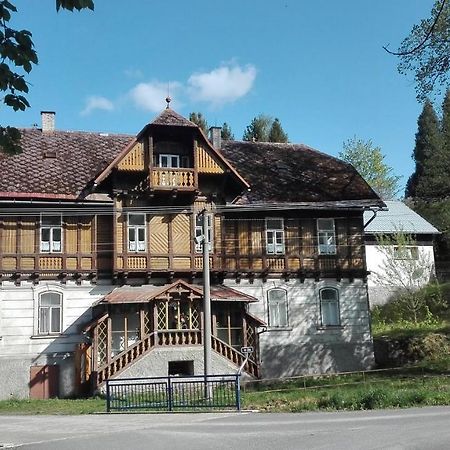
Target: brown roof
column 294, row 173
column 146, row 293
column 57, row 164
column 170, row 117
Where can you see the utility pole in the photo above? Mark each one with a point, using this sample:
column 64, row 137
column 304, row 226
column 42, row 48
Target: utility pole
column 206, row 302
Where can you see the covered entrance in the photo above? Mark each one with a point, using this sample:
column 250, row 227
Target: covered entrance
column 132, row 321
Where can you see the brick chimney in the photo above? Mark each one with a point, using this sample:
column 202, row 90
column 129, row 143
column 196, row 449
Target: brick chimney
column 215, row 137
column 48, row 121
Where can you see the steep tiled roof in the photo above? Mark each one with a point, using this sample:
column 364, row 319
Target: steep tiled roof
column 170, row 117
column 57, row 164
column 398, row 217
column 294, row 173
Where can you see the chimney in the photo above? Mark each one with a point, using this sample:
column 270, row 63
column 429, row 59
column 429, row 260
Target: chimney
column 48, row 121
column 215, row 137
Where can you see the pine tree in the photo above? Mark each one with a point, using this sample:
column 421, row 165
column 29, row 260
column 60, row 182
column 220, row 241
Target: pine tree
column 259, row 129
column 277, row 133
column 198, row 119
column 427, row 175
column 226, row 132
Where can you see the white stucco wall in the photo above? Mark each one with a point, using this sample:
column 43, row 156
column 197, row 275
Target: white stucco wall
column 20, row 345
column 304, row 347
column 383, row 287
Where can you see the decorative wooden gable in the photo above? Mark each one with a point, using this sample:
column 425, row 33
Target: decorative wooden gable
column 133, row 160
column 207, row 163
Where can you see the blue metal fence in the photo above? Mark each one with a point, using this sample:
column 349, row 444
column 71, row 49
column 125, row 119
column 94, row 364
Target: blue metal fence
column 174, row 393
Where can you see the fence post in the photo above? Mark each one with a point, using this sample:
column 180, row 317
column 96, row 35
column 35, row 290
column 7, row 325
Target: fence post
column 238, row 391
column 108, row 397
column 169, row 394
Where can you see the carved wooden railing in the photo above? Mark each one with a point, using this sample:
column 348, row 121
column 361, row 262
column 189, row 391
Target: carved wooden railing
column 236, row 357
column 125, row 358
column 173, row 178
column 179, row 337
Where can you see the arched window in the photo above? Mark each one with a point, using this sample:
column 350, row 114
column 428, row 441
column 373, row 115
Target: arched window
column 278, row 309
column 49, row 313
column 329, row 307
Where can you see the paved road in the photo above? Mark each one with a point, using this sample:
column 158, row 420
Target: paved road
column 425, row 428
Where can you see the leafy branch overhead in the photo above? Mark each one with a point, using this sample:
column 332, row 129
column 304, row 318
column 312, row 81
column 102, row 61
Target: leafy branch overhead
column 17, row 57
column 426, row 51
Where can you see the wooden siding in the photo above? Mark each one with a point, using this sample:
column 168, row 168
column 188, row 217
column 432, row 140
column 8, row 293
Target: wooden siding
column 20, row 246
column 134, row 160
column 206, row 162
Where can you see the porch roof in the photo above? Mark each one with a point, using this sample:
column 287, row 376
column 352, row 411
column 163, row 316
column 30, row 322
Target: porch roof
column 147, row 293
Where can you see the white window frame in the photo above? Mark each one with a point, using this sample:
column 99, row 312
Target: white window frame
column 137, row 245
column 51, row 310
column 277, row 318
column 326, row 235
column 275, row 237
column 170, row 159
column 198, row 232
column 330, row 311
column 51, row 245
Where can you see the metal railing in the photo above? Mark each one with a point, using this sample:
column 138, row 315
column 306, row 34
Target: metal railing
column 174, row 393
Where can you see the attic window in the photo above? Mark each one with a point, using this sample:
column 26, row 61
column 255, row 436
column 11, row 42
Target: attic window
column 49, row 154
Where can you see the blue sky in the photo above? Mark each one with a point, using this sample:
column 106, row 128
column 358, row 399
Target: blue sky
column 316, row 65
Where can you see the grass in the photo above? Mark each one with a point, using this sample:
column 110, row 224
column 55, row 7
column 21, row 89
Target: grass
column 53, row 406
column 404, row 329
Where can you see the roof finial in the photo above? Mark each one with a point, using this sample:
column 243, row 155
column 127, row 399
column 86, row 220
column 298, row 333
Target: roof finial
column 168, row 100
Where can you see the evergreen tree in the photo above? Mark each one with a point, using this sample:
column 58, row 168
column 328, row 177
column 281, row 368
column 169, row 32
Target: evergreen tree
column 368, row 160
column 277, row 133
column 259, row 129
column 226, row 132
column 445, row 127
column 426, row 181
column 198, row 119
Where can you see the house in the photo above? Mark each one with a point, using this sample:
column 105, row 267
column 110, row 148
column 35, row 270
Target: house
column 394, row 265
column 101, row 276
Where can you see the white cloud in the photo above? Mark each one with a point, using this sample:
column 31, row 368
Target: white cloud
column 223, row 85
column 151, row 96
column 97, row 102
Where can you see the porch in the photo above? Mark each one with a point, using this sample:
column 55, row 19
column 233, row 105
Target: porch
column 133, row 321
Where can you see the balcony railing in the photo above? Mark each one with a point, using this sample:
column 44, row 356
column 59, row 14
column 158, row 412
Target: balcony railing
column 167, row 178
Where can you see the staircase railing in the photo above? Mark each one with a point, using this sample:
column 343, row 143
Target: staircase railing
column 233, row 355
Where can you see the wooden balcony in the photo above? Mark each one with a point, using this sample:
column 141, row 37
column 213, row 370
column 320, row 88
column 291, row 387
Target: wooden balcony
column 169, row 179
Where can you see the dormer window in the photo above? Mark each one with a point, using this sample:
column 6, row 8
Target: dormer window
column 170, row 161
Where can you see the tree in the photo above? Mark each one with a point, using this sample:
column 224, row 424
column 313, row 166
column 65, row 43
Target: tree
column 427, row 180
column 404, row 269
column 426, row 51
column 17, row 57
column 277, row 133
column 199, row 120
column 259, row 129
column 226, row 132
column 369, row 162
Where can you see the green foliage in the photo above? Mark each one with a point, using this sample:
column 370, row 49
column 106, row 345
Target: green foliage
column 259, row 129
column 277, row 133
column 199, row 120
column 368, row 160
column 226, row 132
column 425, row 52
column 17, row 57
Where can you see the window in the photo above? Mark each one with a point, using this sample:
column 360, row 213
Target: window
column 170, row 161
column 199, row 232
column 136, row 233
column 409, row 252
column 51, row 234
column 49, row 313
column 326, row 236
column 329, row 307
column 274, row 237
column 277, row 305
